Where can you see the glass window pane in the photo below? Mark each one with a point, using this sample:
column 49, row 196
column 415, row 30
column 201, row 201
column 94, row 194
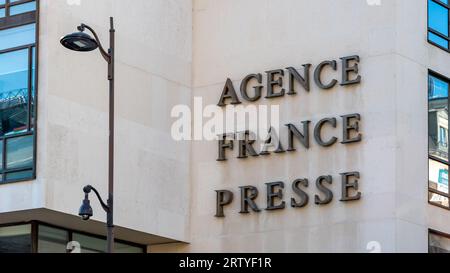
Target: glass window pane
column 15, row 239
column 125, row 248
column 438, row 17
column 438, row 199
column 2, row 13
column 438, row 118
column 438, row 40
column 19, row 36
column 52, row 240
column 90, row 244
column 2, row 2
column 438, row 176
column 13, row 92
column 438, row 88
column 22, row 8
column 438, row 244
column 19, row 152
column 19, row 175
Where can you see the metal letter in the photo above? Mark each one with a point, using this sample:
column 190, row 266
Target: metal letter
column 318, row 130
column 222, row 146
column 224, row 198
column 346, row 185
column 247, row 200
column 271, row 195
column 271, row 83
column 272, row 140
column 257, row 88
column 304, row 138
column 348, row 128
column 346, row 70
column 245, row 146
column 328, row 193
column 318, row 73
column 229, row 93
column 304, row 198
column 294, row 75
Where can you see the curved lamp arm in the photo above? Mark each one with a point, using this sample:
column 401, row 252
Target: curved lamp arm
column 105, row 54
column 88, row 189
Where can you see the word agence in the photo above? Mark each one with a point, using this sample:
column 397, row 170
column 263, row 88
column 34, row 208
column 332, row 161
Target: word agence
column 245, row 144
column 275, row 79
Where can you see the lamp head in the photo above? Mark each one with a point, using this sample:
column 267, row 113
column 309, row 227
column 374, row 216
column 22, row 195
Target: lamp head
column 86, row 210
column 79, row 41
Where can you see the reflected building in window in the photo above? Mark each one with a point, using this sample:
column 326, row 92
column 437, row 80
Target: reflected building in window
column 438, row 148
column 17, row 90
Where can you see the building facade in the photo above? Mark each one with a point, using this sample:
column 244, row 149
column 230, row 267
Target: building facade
column 360, row 88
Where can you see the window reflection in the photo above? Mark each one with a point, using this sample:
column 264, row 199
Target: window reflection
column 18, row 239
column 438, row 23
column 438, row 176
column 22, row 8
column 13, row 92
column 15, row 239
column 438, row 141
column 17, row 104
column 438, row 243
column 20, row 152
column 18, row 36
column 438, row 17
column 438, row 118
column 52, row 240
column 90, row 244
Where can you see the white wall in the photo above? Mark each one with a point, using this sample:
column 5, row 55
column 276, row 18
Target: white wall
column 235, row 38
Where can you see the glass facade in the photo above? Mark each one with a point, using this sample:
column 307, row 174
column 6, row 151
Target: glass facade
column 42, row 238
column 17, row 90
column 438, row 148
column 438, row 23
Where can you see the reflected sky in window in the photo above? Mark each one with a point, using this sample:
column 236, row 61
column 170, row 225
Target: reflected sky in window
column 438, row 88
column 18, row 36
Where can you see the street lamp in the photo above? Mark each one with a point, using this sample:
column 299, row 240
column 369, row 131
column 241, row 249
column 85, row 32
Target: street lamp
column 83, row 42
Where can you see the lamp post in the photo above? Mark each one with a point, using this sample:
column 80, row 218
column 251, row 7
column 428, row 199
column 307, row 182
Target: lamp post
column 83, row 42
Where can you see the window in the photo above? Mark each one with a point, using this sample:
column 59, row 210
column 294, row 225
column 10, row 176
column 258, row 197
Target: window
column 18, row 34
column 438, row 242
column 91, row 244
column 438, row 148
column 10, row 8
column 438, row 23
column 42, row 238
column 15, row 239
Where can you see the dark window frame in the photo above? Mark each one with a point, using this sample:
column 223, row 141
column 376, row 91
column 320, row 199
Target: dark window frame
column 35, row 234
column 7, row 6
column 438, row 233
column 430, row 30
column 430, row 157
column 9, row 22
